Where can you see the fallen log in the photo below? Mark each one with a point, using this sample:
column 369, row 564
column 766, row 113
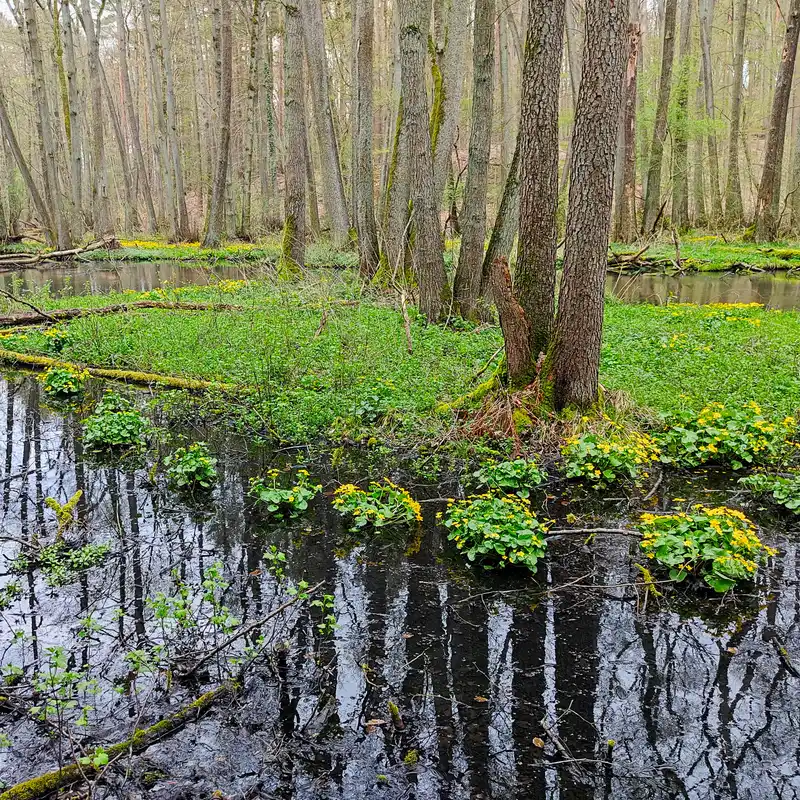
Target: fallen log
column 9, row 261
column 138, row 742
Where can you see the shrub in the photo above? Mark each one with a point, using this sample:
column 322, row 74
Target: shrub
column 719, row 434
column 785, row 490
column 281, row 502
column 512, row 477
column 192, row 466
column 64, row 381
column 382, row 503
column 115, row 423
column 719, row 545
column 496, row 531
column 602, row 461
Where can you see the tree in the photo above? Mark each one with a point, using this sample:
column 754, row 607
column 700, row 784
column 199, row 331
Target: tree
column 579, row 323
column 363, row 187
column 535, row 279
column 680, row 138
column 652, row 197
column 734, row 212
column 766, row 214
column 434, row 290
column 245, row 223
column 467, row 282
column 706, row 13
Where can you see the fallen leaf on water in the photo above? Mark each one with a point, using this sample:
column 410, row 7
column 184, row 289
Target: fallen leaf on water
column 481, row 699
column 733, row 650
column 538, row 742
column 408, row 635
column 374, row 722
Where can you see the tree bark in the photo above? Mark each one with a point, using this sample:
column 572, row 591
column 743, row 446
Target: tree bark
column 75, row 121
column 766, row 216
column 680, row 136
column 734, row 210
column 706, row 14
column 513, row 323
column 363, row 176
column 467, row 284
column 535, row 279
column 294, row 229
column 246, row 222
column 428, row 250
column 652, row 198
column 579, row 325
column 332, row 183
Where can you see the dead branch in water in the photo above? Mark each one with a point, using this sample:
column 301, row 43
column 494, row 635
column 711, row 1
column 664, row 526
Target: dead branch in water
column 10, row 261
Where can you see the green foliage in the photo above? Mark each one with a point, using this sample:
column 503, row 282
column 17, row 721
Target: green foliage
column 284, row 502
column 605, row 460
column 728, row 435
column 374, row 400
column 115, row 423
column 513, row 477
column 719, row 545
column 64, row 513
column 191, row 467
column 9, row 595
column 98, row 759
column 784, row 489
column 60, row 563
column 496, row 531
column 64, row 381
column 382, row 503
column 55, row 338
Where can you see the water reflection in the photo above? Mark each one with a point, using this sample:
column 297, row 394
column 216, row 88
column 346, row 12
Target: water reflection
column 478, row 666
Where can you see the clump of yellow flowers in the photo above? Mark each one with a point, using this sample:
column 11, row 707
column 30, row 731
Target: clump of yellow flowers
column 381, row 503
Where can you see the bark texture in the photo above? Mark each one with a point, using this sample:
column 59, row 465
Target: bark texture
column 706, row 15
column 680, row 134
column 734, row 211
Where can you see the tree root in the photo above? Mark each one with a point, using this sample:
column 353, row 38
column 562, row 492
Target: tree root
column 60, row 315
column 138, row 742
column 127, row 376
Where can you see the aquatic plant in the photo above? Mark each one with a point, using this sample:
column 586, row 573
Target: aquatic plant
column 115, row 423
column 284, row 501
column 735, row 436
column 496, row 531
column 513, row 477
column 60, row 562
column 191, row 467
column 64, row 381
column 718, row 545
column 784, row 489
column 381, row 503
column 604, row 460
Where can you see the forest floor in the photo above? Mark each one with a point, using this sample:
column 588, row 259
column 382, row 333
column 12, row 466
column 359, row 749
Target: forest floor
column 325, row 357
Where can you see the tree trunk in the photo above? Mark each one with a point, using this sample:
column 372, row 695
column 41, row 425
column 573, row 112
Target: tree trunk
column 449, row 71
column 294, row 228
column 428, row 250
column 216, row 221
column 363, row 176
column 535, row 278
column 513, row 323
column 706, row 14
column 579, row 325
column 652, row 198
column 698, row 187
column 467, row 284
column 625, row 223
column 75, row 139
column 332, row 183
column 766, row 216
column 101, row 220
column 734, row 210
column 680, row 137
column 246, row 222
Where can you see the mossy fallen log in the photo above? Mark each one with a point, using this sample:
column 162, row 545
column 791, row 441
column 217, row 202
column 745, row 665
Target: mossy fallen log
column 127, row 376
column 138, row 742
column 64, row 314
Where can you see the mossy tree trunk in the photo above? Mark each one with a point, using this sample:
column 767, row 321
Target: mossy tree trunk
column 734, row 211
column 680, row 135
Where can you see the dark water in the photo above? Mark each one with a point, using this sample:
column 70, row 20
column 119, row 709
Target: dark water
column 698, row 701
column 774, row 290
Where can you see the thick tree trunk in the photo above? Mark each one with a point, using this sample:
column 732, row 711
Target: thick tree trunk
column 246, row 222
column 75, row 121
column 363, row 176
column 706, row 15
column 652, row 197
column 579, row 325
column 332, row 183
column 766, row 216
column 467, row 284
column 625, row 223
column 734, row 210
column 449, row 71
column 535, row 278
column 294, row 229
column 428, row 250
column 680, row 134
column 215, row 221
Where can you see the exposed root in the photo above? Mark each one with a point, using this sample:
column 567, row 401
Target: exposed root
column 138, row 742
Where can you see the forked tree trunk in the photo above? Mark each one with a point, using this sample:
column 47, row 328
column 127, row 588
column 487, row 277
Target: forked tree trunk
column 734, row 211
column 652, row 197
column 579, row 325
column 363, row 177
column 535, row 278
column 467, row 283
column 766, row 216
column 294, row 229
column 428, row 250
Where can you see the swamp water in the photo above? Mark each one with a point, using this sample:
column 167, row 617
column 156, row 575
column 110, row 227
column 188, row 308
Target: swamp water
column 489, row 671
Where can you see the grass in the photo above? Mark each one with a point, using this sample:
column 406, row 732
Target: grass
column 323, row 350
